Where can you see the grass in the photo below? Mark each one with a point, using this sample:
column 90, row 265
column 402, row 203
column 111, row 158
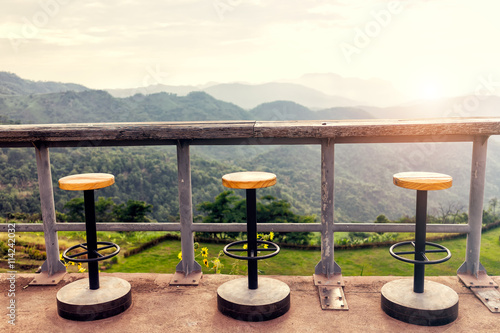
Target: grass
column 162, row 258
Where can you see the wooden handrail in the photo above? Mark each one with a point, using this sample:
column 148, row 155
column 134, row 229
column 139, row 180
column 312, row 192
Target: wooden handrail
column 342, row 131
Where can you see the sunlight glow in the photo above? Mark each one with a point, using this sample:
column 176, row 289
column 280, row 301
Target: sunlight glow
column 431, row 90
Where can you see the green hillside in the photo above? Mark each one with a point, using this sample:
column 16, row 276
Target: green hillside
column 363, row 173
column 100, row 106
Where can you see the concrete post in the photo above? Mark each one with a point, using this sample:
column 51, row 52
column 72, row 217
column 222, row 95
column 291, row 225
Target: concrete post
column 52, row 265
column 472, row 266
column 187, row 264
column 327, row 265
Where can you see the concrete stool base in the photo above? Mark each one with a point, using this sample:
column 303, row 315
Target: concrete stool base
column 437, row 305
column 270, row 300
column 76, row 301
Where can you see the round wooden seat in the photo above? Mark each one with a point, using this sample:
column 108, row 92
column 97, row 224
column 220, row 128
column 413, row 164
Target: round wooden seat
column 86, row 181
column 422, row 181
column 249, row 180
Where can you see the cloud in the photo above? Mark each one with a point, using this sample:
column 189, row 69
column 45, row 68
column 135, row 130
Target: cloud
column 112, row 43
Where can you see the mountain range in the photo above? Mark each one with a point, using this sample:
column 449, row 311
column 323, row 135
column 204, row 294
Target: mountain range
column 315, row 91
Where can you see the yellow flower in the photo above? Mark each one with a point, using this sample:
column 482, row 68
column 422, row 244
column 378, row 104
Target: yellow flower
column 216, row 262
column 266, row 246
column 72, row 263
column 80, row 268
column 179, row 255
column 204, row 252
column 271, row 235
column 60, row 257
column 260, row 236
column 205, row 262
column 245, row 246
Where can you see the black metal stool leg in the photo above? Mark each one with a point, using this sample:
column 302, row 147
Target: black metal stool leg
column 420, row 235
column 90, row 225
column 252, row 238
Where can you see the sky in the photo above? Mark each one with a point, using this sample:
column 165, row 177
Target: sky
column 426, row 49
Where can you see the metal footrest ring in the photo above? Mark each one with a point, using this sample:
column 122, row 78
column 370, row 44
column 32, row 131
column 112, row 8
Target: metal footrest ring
column 425, row 261
column 274, row 248
column 107, row 245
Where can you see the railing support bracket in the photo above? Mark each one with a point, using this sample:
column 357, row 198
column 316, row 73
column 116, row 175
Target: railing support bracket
column 331, row 291
column 192, row 279
column 44, row 279
column 490, row 297
column 483, row 286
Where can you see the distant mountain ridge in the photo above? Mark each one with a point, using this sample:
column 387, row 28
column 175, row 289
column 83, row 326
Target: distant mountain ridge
column 11, row 84
column 76, row 103
column 100, row 106
column 286, row 110
column 373, row 92
column 315, row 91
column 249, row 96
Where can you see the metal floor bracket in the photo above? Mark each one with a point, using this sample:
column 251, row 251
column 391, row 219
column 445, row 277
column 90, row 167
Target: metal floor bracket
column 482, row 280
column 333, row 280
column 332, row 298
column 484, row 288
column 192, row 279
column 43, row 279
column 489, row 296
column 331, row 291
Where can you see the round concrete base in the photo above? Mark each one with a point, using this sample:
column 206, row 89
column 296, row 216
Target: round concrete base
column 76, row 301
column 437, row 305
column 270, row 300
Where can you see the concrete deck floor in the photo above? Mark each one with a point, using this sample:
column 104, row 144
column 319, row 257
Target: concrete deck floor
column 158, row 307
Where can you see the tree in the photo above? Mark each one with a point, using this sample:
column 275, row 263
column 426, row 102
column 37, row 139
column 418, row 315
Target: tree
column 75, row 208
column 226, row 208
column 493, row 205
column 274, row 210
column 132, row 211
column 104, row 209
column 382, row 219
column 449, row 213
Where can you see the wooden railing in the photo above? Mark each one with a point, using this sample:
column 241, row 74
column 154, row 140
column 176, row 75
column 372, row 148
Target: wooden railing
column 324, row 133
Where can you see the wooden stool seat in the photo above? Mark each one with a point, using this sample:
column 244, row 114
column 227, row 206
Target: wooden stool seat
column 249, row 180
column 86, row 181
column 422, row 181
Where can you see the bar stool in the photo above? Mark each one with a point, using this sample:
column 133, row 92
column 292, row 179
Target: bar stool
column 90, row 298
column 410, row 301
column 254, row 298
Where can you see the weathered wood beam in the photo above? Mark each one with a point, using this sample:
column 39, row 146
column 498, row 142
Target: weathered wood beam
column 379, row 128
column 260, row 132
column 102, row 132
